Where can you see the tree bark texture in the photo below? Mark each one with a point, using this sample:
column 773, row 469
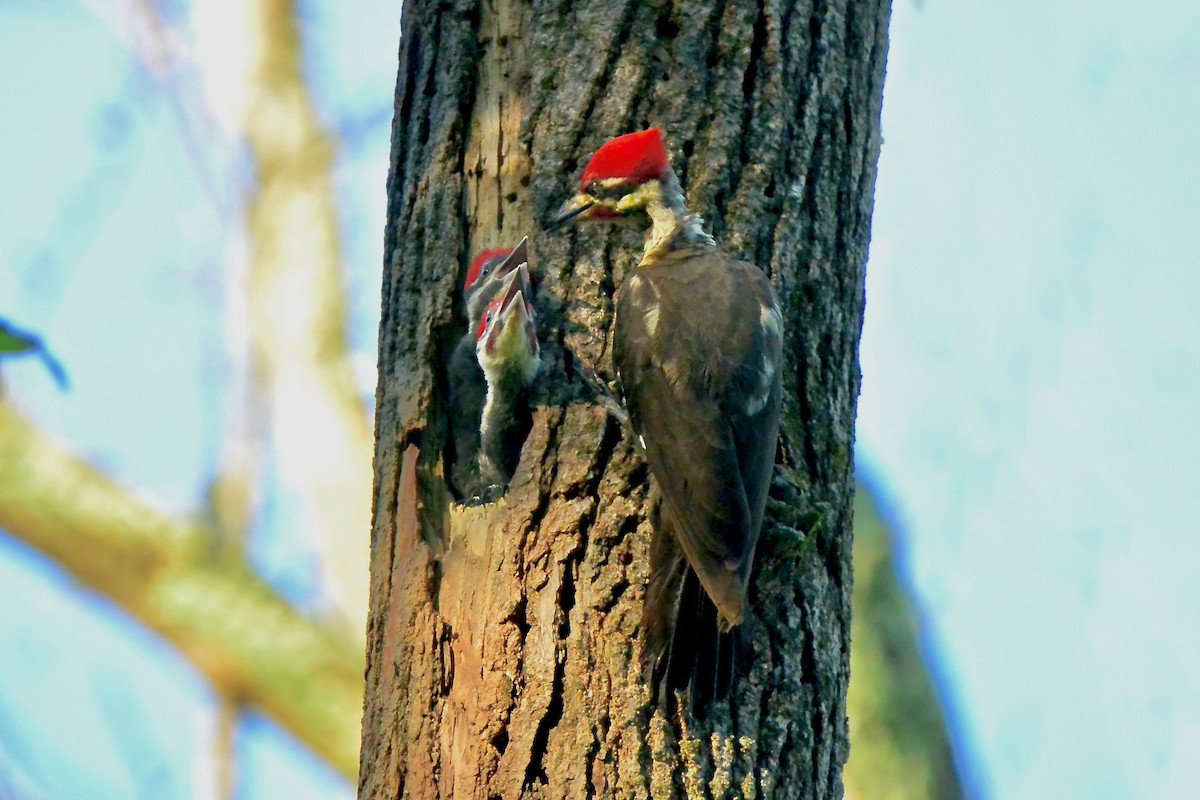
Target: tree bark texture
column 504, row 641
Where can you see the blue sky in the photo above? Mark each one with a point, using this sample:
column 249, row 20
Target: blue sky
column 1031, row 358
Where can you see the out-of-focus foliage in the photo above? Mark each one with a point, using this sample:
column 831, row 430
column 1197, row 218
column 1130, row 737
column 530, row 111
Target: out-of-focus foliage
column 14, row 342
column 899, row 749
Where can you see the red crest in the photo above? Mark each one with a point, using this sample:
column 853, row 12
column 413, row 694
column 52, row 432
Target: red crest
column 636, row 157
column 480, row 261
column 486, row 317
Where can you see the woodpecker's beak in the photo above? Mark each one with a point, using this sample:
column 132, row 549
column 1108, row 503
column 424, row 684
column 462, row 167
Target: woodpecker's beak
column 573, row 208
column 513, row 307
column 516, row 286
column 519, row 256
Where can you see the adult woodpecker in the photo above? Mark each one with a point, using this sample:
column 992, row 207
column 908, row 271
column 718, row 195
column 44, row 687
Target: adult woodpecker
column 697, row 350
column 490, row 373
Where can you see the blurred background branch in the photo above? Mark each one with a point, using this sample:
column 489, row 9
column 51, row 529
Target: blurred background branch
column 208, row 603
column 320, row 433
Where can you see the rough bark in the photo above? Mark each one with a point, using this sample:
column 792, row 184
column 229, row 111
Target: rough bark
column 504, row 652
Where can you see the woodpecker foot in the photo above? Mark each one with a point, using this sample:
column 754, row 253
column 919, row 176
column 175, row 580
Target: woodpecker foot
column 806, row 520
column 793, row 519
column 486, row 495
column 492, row 493
column 605, row 396
column 783, row 486
column 613, row 406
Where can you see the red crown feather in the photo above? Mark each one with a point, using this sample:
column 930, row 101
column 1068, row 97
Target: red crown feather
column 480, row 260
column 636, row 157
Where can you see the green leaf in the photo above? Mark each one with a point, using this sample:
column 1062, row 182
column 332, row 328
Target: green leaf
column 15, row 342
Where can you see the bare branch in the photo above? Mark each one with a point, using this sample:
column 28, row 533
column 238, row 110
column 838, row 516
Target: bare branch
column 298, row 313
column 208, row 603
column 225, row 748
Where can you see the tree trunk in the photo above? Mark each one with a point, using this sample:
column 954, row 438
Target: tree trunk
column 504, row 642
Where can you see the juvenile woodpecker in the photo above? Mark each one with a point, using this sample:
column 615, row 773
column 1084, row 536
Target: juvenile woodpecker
column 697, row 350
column 486, row 275
column 507, row 349
column 490, row 373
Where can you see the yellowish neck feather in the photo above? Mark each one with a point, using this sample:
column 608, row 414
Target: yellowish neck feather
column 672, row 226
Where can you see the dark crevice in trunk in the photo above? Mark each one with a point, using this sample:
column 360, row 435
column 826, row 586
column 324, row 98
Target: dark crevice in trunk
column 535, row 771
column 711, row 31
column 758, row 64
column 600, row 85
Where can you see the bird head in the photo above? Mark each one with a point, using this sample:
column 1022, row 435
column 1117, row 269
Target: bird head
column 506, row 335
column 623, row 177
column 481, row 268
column 487, row 275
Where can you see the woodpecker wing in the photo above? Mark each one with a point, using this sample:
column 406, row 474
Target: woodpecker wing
column 697, row 348
column 694, row 459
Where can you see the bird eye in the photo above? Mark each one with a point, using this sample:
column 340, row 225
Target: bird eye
column 608, row 190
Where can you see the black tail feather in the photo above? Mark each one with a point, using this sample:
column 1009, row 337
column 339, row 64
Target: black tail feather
column 687, row 648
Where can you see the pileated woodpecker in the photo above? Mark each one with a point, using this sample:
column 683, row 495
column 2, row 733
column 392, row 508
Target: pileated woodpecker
column 490, row 372
column 697, row 349
column 486, row 275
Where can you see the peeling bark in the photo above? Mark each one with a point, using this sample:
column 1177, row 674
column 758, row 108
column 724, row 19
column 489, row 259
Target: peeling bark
column 504, row 641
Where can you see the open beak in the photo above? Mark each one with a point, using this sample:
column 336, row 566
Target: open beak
column 572, row 209
column 519, row 256
column 513, row 304
column 516, row 286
